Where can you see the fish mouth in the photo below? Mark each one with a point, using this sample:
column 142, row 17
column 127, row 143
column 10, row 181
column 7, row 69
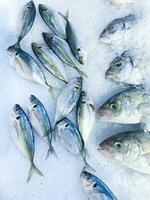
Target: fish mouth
column 32, row 98
column 16, row 108
column 42, row 7
column 47, row 35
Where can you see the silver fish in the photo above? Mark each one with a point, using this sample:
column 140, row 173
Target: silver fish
column 61, row 48
column 95, row 188
column 48, row 61
column 85, row 115
column 73, row 41
column 68, row 98
column 123, row 70
column 24, row 137
column 51, row 19
column 40, row 121
column 26, row 66
column 131, row 149
column 28, row 17
column 117, row 28
column 120, row 2
column 127, row 107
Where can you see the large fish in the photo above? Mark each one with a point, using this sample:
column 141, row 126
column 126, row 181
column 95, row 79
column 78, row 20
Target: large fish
column 95, row 188
column 123, row 70
column 68, row 98
column 48, row 60
column 26, row 66
column 40, row 121
column 51, row 18
column 61, row 48
column 24, row 137
column 85, row 115
column 131, row 149
column 117, row 29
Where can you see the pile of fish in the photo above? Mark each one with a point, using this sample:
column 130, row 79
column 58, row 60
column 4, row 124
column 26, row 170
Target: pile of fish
column 127, row 107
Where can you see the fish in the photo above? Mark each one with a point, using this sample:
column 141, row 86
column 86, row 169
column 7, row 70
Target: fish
column 117, row 29
column 68, row 98
column 71, row 37
column 50, row 17
column 61, row 48
column 47, row 59
column 127, row 107
column 85, row 115
column 131, row 149
column 95, row 188
column 40, row 121
column 123, row 70
column 27, row 67
column 23, row 137
column 120, row 2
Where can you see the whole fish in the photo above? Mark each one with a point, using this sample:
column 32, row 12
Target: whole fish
column 127, row 107
column 28, row 17
column 68, row 98
column 26, row 66
column 117, row 28
column 73, row 42
column 119, row 2
column 131, row 149
column 61, row 48
column 48, row 61
column 51, row 19
column 95, row 188
column 71, row 139
column 123, row 70
column 40, row 121
column 85, row 115
column 24, row 137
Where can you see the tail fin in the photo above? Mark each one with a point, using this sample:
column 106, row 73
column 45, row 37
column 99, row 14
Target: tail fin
column 66, row 16
column 87, row 167
column 51, row 151
column 33, row 169
column 52, row 90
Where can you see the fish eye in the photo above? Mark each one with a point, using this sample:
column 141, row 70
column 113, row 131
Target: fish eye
column 118, row 64
column 66, row 125
column 16, row 53
column 83, row 101
column 79, row 49
column 44, row 9
column 118, row 145
column 95, row 185
column 18, row 117
column 114, row 105
column 35, row 106
column 76, row 87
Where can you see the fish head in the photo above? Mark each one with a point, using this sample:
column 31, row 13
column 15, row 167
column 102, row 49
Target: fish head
column 33, row 103
column 48, row 36
column 36, row 48
column 63, row 125
column 17, row 113
column 44, row 10
column 13, row 52
column 76, row 83
column 85, row 99
column 81, row 55
column 29, row 6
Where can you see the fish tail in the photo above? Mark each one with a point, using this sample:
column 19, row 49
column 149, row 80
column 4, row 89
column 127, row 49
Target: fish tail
column 52, row 90
column 87, row 166
column 33, row 169
column 51, row 151
column 82, row 73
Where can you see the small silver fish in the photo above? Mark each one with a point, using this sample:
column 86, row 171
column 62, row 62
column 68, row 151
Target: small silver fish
column 61, row 48
column 131, row 149
column 117, row 28
column 26, row 66
column 123, row 70
column 48, row 61
column 120, row 2
column 95, row 188
column 73, row 41
column 51, row 19
column 68, row 98
column 24, row 137
column 40, row 121
column 85, row 115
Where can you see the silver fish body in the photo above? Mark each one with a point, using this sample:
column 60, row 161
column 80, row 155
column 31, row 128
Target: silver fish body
column 85, row 115
column 123, row 70
column 51, row 19
column 24, row 137
column 68, row 98
column 95, row 188
column 117, row 28
column 40, row 121
column 131, row 149
column 61, row 48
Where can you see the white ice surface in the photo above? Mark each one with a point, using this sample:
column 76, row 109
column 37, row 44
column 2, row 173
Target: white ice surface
column 62, row 181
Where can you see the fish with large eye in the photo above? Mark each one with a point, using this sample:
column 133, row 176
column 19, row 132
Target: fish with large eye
column 123, row 70
column 130, row 149
column 117, row 29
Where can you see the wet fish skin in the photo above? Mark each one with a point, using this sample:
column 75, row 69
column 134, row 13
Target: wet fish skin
column 123, row 70
column 95, row 188
column 68, row 98
column 28, row 17
column 61, row 48
column 50, row 18
column 47, row 60
column 24, row 137
column 40, row 121
column 117, row 28
column 73, row 41
column 85, row 115
column 131, row 149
